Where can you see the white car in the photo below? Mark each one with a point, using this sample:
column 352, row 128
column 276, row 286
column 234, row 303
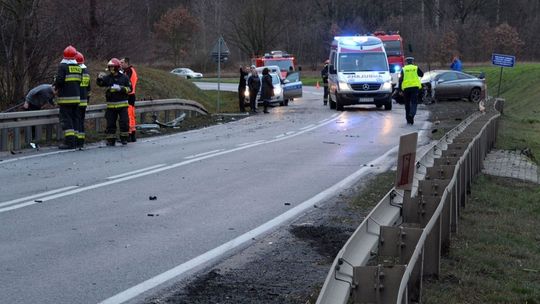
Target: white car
column 186, row 73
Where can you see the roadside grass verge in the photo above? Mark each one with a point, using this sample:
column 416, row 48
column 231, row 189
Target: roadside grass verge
column 495, row 257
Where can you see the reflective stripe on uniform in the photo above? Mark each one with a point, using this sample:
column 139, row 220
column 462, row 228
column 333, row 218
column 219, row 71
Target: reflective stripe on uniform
column 119, row 104
column 68, row 100
column 69, row 132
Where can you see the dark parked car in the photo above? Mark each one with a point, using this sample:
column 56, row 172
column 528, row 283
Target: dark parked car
column 448, row 84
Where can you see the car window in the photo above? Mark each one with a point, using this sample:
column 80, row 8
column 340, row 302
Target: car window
column 275, row 78
column 293, row 77
column 464, row 76
column 448, row 76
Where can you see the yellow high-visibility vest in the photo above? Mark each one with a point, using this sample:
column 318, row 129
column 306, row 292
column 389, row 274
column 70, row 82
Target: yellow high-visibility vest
column 410, row 77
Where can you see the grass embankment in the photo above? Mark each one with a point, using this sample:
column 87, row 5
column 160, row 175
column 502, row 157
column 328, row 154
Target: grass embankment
column 495, row 257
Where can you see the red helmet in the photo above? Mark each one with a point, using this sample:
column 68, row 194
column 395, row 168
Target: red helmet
column 79, row 57
column 70, row 52
column 114, row 62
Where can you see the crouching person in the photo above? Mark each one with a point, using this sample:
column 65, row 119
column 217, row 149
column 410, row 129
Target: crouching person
column 118, row 87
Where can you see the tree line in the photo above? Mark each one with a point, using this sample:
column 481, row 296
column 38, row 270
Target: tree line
column 170, row 33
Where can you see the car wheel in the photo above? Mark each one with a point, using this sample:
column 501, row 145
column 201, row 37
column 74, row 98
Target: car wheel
column 188, row 77
column 378, row 105
column 475, row 95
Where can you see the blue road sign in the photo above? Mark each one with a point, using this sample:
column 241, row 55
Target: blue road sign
column 506, row 61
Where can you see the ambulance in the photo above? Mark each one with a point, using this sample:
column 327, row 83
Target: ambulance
column 358, row 73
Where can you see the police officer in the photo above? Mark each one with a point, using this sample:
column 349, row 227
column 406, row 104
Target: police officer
column 324, row 75
column 67, row 82
column 409, row 82
column 118, row 87
column 85, row 98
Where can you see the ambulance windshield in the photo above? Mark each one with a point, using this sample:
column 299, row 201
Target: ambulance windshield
column 367, row 61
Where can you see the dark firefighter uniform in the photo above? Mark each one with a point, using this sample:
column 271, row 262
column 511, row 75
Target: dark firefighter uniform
column 68, row 82
column 118, row 87
column 85, row 98
column 410, row 84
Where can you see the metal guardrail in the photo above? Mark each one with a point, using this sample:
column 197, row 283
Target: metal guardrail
column 403, row 237
column 16, row 126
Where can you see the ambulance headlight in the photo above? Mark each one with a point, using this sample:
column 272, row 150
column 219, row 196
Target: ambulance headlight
column 344, row 86
column 387, row 86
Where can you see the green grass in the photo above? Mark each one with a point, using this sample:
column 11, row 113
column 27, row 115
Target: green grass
column 496, row 256
column 520, row 127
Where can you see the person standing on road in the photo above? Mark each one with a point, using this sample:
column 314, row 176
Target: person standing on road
column 118, row 87
column 324, row 75
column 85, row 98
column 131, row 73
column 456, row 64
column 68, row 83
column 410, row 84
column 254, row 85
column 242, row 88
column 267, row 89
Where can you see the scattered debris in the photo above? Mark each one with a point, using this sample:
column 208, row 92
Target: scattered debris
column 171, row 124
column 152, row 214
column 38, row 201
column 287, row 204
column 434, row 130
column 152, row 197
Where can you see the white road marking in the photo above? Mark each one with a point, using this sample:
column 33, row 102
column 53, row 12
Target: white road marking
column 33, row 202
column 251, row 143
column 35, row 196
column 201, row 154
column 136, row 171
column 163, row 168
column 306, row 127
column 145, row 286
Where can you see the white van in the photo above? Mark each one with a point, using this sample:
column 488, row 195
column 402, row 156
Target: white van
column 358, row 73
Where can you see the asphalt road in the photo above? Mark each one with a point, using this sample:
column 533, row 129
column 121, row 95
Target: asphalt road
column 114, row 224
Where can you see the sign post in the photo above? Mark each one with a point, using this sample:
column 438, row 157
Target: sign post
column 504, row 61
column 406, row 161
column 220, row 53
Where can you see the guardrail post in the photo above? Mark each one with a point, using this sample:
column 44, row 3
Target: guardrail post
column 166, row 116
column 376, row 284
column 4, row 139
column 432, row 251
column 28, row 135
column 49, row 132
column 16, row 138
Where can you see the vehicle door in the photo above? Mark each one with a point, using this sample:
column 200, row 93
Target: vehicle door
column 447, row 86
column 292, row 86
column 466, row 83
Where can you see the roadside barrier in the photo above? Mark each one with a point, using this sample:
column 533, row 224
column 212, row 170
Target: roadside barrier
column 402, row 239
column 16, row 127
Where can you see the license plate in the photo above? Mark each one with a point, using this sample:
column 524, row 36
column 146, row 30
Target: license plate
column 365, row 99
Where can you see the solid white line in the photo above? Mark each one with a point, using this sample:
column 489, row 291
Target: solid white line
column 136, row 171
column 36, row 155
column 202, row 154
column 138, row 289
column 251, row 143
column 35, row 195
column 306, row 127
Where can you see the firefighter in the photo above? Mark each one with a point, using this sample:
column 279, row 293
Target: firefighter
column 409, row 82
column 67, row 82
column 324, row 75
column 131, row 73
column 85, row 99
column 118, row 88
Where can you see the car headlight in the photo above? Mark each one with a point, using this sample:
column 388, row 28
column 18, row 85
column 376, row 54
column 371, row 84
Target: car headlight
column 277, row 91
column 387, row 86
column 344, row 86
column 246, row 93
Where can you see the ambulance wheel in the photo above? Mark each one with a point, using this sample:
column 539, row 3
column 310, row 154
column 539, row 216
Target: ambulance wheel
column 332, row 103
column 388, row 104
column 339, row 104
